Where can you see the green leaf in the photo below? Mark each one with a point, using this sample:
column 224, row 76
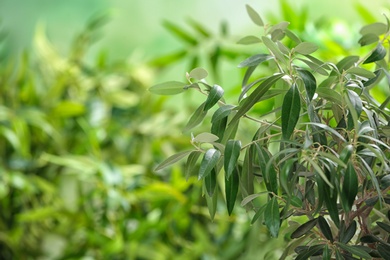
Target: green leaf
column 255, row 60
column 350, row 187
column 249, row 40
column 196, row 118
column 172, row 159
column 214, row 96
column 378, row 54
column 374, row 28
column 304, row 228
column 199, row 28
column 232, row 152
column 384, row 226
column 284, row 175
column 325, row 229
column 327, row 254
column 385, row 182
column 255, row 17
column 209, row 160
column 306, row 48
column 191, row 163
column 168, row 88
column 180, row 33
column 330, row 199
column 231, row 189
column 310, row 83
column 327, row 128
column 330, row 95
column 258, row 214
column 272, row 217
column 306, row 254
column 290, row 111
column 384, row 251
column 369, row 239
column 205, row 138
column 292, row 36
column 198, row 73
column 269, row 175
column 210, row 182
column 354, row 250
column 315, row 67
column 347, row 62
column 222, row 112
column 218, row 128
column 346, row 236
column 273, row 48
column 253, row 98
column 368, row 39
column 212, row 204
column 361, row 72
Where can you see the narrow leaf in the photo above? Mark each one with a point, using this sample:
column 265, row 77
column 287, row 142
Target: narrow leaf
column 368, row 39
column 255, row 60
column 273, row 48
column 269, row 174
column 180, row 33
column 232, row 152
column 210, row 182
column 354, row 250
column 306, row 48
column 191, row 163
column 361, row 72
column 378, row 54
column 222, row 112
column 304, row 228
column 231, row 189
column 384, row 226
column 346, row 236
column 350, row 187
column 196, row 118
column 212, row 204
column 249, row 40
column 325, row 229
column 214, row 96
column 290, row 111
column 255, row 17
column 272, row 217
column 384, row 251
column 313, row 250
column 172, row 159
column 168, row 88
column 209, row 160
column 310, row 83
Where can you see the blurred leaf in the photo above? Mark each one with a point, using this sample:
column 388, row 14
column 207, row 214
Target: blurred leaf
column 231, row 189
column 385, row 182
column 272, row 217
column 191, row 163
column 180, row 33
column 384, row 226
column 255, row 60
column 325, row 229
column 209, row 160
column 304, row 228
column 199, row 28
column 210, row 181
column 259, row 213
column 212, row 204
column 232, row 152
column 378, row 54
column 290, row 111
column 249, row 40
column 198, row 73
column 274, row 49
column 292, row 36
column 196, row 118
column 172, row 159
column 312, row 250
column 255, row 17
column 384, row 251
column 168, row 88
column 368, row 39
column 374, row 28
column 306, row 48
column 354, row 250
column 168, row 59
column 205, row 138
column 214, row 96
column 68, row 108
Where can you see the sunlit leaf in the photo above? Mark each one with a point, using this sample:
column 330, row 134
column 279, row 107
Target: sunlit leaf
column 249, row 40
column 168, row 88
column 368, row 39
column 272, row 217
column 306, row 48
column 255, row 17
column 347, row 62
column 209, row 161
column 290, row 111
column 374, row 28
column 231, row 189
column 214, row 96
column 198, row 73
column 205, row 138
column 232, row 152
column 292, row 36
column 172, row 159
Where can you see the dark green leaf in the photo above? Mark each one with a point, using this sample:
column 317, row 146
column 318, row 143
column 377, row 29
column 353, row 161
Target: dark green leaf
column 284, row 175
column 212, row 204
column 209, row 161
column 198, row 73
column 180, row 33
column 346, row 236
column 210, row 182
column 368, row 39
column 330, row 95
column 253, row 98
column 255, row 60
column 369, row 239
column 272, row 217
column 384, row 226
column 374, row 28
column 255, row 17
column 296, row 201
column 385, row 182
column 274, row 49
column 249, row 40
column 222, row 112
column 313, row 250
column 306, row 48
column 325, row 229
column 172, row 159
column 384, row 251
column 310, row 83
column 232, row 152
column 196, row 118
column 168, row 88
column 350, row 187
column 354, row 250
column 218, row 128
column 258, row 214
column 191, row 163
column 231, row 189
column 304, row 228
column 326, row 255
column 214, row 96
column 269, row 175
column 378, row 54
column 290, row 111
column 247, row 176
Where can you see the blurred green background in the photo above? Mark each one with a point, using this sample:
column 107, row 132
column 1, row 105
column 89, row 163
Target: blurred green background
column 80, row 135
